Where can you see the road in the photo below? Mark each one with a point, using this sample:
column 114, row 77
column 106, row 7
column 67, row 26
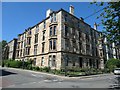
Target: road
column 16, row 78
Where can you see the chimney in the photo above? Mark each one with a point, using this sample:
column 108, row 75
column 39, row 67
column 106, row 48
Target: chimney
column 48, row 12
column 95, row 26
column 81, row 19
column 71, row 10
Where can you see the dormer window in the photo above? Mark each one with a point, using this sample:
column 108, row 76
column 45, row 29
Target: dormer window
column 37, row 29
column 29, row 32
column 53, row 17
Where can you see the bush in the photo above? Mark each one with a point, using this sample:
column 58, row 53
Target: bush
column 12, row 63
column 15, row 64
column 46, row 69
column 29, row 67
column 35, row 68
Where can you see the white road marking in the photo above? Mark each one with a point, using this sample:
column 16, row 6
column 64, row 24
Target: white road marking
column 55, row 80
column 11, row 85
column 28, row 83
column 36, row 75
column 33, row 75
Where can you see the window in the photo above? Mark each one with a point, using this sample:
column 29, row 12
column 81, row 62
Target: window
column 22, row 44
column 51, row 18
column 43, row 35
column 49, row 61
column 66, row 60
column 66, row 18
column 54, row 17
column 35, row 49
column 43, row 45
column 24, row 52
column 54, row 61
column 80, row 62
column 21, row 53
column 87, row 38
column 54, row 32
column 96, row 52
column 67, row 43
column 37, row 29
column 90, row 62
column 36, row 38
column 42, row 61
column 44, row 25
column 18, row 53
column 66, row 30
column 29, row 32
column 52, row 44
column 27, row 51
column 28, row 41
column 50, row 31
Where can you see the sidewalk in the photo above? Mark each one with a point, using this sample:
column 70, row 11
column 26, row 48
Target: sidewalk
column 63, row 77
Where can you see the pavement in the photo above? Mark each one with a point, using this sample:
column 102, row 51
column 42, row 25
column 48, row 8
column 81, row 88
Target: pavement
column 65, row 77
column 19, row 78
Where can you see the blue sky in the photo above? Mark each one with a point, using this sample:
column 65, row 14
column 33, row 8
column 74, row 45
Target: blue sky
column 18, row 16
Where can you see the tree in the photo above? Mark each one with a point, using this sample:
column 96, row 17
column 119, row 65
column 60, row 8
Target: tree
column 110, row 18
column 113, row 63
column 3, row 43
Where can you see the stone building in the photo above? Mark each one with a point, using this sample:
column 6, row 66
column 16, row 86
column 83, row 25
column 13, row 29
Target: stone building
column 10, row 49
column 61, row 40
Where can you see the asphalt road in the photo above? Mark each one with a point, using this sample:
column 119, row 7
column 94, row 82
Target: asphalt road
column 14, row 78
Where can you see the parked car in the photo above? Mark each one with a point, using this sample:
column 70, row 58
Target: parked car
column 117, row 71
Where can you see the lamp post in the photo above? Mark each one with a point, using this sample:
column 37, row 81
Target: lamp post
column 23, row 64
column 66, row 59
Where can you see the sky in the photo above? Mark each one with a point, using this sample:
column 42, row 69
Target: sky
column 18, row 16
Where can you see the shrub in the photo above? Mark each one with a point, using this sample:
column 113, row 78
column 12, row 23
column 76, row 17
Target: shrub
column 29, row 67
column 46, row 69
column 12, row 63
column 15, row 64
column 36, row 68
column 40, row 69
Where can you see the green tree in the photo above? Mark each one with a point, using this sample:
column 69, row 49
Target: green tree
column 110, row 18
column 113, row 63
column 3, row 43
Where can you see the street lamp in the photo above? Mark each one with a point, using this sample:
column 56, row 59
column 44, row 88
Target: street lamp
column 66, row 61
column 23, row 64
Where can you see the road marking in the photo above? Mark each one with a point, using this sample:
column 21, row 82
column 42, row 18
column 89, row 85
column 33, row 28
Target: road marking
column 55, row 80
column 33, row 75
column 36, row 75
column 59, row 82
column 28, row 83
column 11, row 85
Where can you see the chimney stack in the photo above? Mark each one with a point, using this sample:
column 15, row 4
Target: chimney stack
column 81, row 19
column 48, row 12
column 71, row 10
column 95, row 26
